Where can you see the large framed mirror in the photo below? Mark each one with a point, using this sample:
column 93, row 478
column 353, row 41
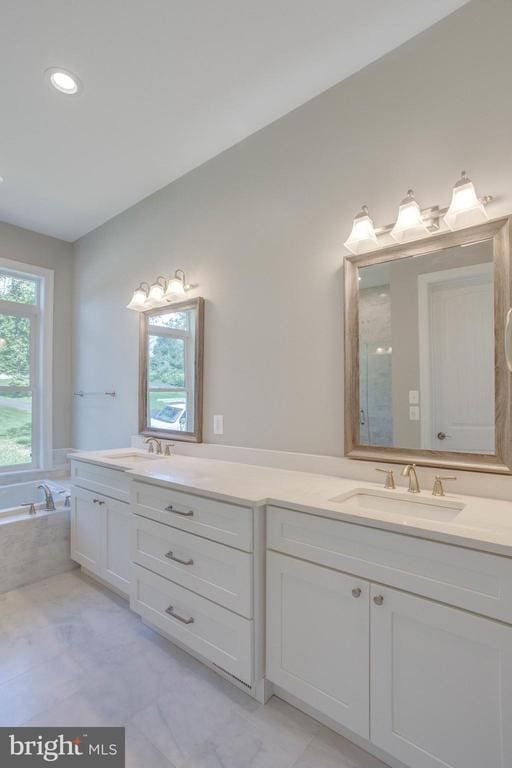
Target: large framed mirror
column 426, row 373
column 171, row 371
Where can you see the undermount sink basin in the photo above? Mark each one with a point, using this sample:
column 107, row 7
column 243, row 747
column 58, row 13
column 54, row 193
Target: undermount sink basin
column 133, row 457
column 364, row 500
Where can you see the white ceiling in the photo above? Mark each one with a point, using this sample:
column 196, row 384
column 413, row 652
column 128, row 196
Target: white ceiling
column 167, row 85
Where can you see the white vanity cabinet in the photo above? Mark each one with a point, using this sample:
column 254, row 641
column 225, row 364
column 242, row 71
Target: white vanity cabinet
column 428, row 683
column 441, row 683
column 318, row 640
column 100, row 524
column 194, row 575
column 86, row 517
column 187, row 562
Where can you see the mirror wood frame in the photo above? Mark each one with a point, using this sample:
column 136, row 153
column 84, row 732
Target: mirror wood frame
column 173, row 434
column 497, row 230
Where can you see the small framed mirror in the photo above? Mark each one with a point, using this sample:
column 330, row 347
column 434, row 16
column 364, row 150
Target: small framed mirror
column 171, row 371
column 427, row 379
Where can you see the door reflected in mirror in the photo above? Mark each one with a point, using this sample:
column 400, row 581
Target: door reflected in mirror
column 171, row 370
column 426, row 351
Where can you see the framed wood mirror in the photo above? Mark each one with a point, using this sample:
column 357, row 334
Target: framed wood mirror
column 171, row 352
column 427, row 337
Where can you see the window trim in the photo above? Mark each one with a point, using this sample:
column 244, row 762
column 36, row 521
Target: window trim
column 41, row 361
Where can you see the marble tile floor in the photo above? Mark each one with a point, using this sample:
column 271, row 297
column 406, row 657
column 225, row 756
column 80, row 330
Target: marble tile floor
column 72, row 653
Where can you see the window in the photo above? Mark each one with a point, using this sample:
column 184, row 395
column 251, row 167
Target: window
column 26, row 295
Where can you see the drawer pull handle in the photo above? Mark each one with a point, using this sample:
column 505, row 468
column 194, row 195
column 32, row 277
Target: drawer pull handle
column 170, row 611
column 172, row 556
column 356, row 592
column 378, row 599
column 98, row 501
column 170, row 508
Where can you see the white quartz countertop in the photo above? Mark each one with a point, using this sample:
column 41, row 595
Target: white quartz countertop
column 483, row 524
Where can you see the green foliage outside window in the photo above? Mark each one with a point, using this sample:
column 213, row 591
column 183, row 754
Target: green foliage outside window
column 15, row 341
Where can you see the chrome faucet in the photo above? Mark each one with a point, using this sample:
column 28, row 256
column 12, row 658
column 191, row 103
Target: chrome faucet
column 410, row 472
column 48, row 497
column 155, row 446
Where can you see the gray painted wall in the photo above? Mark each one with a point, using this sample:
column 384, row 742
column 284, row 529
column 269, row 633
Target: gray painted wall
column 260, row 229
column 29, row 247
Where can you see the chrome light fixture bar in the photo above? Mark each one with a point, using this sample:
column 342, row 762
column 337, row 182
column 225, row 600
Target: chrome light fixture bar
column 414, row 223
column 160, row 293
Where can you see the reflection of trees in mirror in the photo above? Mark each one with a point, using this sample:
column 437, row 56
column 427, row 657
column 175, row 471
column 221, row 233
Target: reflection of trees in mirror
column 171, row 320
column 166, row 362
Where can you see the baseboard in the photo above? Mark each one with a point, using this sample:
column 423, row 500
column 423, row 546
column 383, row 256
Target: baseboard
column 363, row 744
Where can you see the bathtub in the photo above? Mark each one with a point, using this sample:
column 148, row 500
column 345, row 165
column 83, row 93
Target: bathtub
column 12, row 497
column 32, row 547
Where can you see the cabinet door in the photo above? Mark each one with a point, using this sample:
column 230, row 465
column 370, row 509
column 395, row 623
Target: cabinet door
column 441, row 692
column 318, row 638
column 117, row 544
column 86, row 529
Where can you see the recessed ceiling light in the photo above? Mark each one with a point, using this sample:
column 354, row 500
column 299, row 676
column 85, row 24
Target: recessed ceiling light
column 64, row 81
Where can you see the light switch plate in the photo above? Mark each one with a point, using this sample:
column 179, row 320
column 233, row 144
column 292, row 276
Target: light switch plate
column 414, row 413
column 414, row 397
column 218, row 424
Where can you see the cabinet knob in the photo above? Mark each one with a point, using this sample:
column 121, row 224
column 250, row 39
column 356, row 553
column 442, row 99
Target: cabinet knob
column 356, row 592
column 378, row 599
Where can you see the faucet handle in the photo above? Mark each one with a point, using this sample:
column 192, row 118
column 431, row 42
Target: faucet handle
column 169, row 449
column 389, row 482
column 438, row 489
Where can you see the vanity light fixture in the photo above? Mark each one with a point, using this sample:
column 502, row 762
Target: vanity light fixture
column 466, row 209
column 414, row 223
column 156, row 293
column 176, row 286
column 160, row 293
column 409, row 224
column 138, row 300
column 362, row 238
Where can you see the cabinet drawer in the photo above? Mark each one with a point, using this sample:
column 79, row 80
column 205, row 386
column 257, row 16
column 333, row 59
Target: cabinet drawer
column 476, row 581
column 215, row 633
column 111, row 482
column 226, row 523
column 213, row 570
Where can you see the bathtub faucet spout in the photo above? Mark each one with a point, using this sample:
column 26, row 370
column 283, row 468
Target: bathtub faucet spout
column 48, row 497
